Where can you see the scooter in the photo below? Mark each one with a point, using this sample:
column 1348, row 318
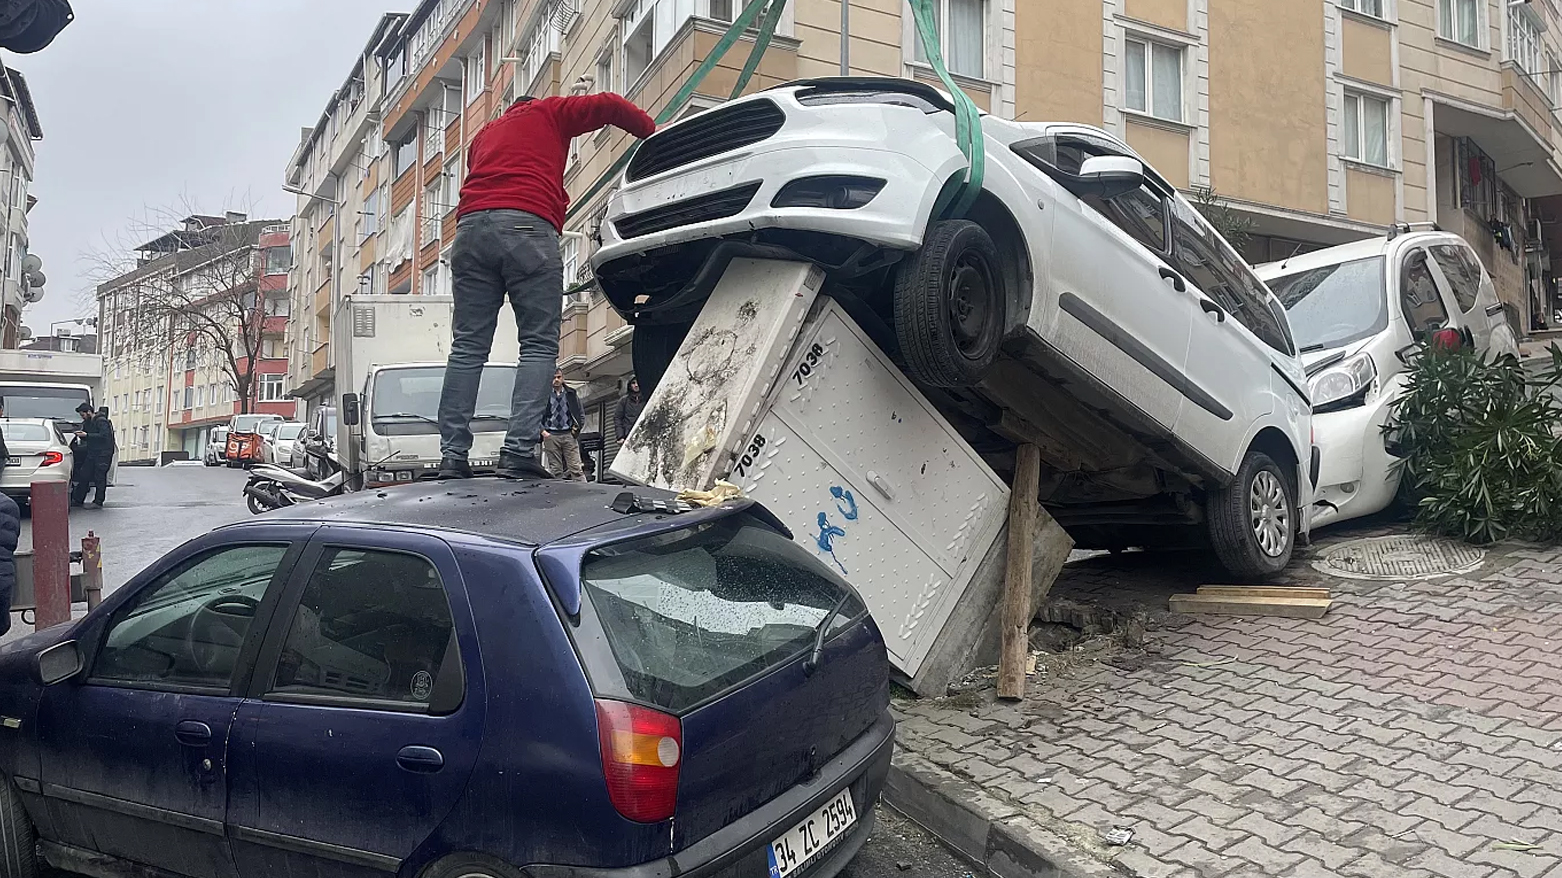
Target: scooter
column 273, row 487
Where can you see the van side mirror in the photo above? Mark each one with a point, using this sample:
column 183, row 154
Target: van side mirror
column 350, row 409
column 59, row 663
column 1108, row 176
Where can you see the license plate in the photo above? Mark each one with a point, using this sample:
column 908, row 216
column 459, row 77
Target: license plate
column 485, row 464
column 805, row 841
column 13, row 461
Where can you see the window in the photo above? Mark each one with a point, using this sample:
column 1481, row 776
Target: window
column 1460, row 21
column 1524, row 39
column 158, row 404
column 1366, row 129
column 406, row 155
column 278, row 306
column 430, row 285
column 189, row 398
column 691, row 614
column 1463, row 272
column 1373, row 8
column 200, row 397
column 186, row 629
column 650, row 25
column 271, row 389
column 605, row 72
column 372, row 626
column 191, row 358
column 1152, row 78
column 433, row 132
column 1418, row 296
column 1141, row 213
column 371, row 215
column 1554, row 81
column 639, row 48
column 1211, row 265
column 962, row 29
column 450, row 195
column 476, row 73
column 278, row 260
column 270, row 349
column 432, row 213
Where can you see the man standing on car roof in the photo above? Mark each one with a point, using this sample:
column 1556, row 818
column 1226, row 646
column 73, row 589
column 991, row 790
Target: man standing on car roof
column 507, row 244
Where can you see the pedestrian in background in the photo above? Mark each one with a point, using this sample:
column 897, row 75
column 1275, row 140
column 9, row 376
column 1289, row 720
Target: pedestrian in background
column 511, row 214
column 630, row 405
column 561, row 431
column 10, row 532
column 96, row 445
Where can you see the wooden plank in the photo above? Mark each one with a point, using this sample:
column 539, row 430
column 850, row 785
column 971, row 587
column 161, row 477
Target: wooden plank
column 1294, row 608
column 1265, row 591
column 1017, row 611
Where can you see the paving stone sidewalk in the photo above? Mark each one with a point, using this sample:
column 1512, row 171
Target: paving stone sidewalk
column 1415, row 731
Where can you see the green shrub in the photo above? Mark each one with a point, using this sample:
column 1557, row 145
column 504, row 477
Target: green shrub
column 1482, row 458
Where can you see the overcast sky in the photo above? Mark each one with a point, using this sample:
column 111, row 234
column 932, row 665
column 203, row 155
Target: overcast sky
column 151, row 103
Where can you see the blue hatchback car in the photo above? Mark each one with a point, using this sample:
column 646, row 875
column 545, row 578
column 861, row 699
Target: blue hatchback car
column 452, row 681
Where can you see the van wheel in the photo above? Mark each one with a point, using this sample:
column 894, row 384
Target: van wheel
column 471, row 865
column 1252, row 522
column 18, row 839
column 949, row 305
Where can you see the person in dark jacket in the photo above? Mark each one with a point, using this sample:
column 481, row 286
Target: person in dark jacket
column 512, row 210
column 629, row 409
column 96, row 445
column 10, row 531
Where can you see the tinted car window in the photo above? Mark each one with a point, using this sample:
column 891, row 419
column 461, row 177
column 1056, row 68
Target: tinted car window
column 1220, row 274
column 1463, row 272
column 1141, row 213
column 371, row 625
column 1418, row 295
column 691, row 614
column 186, row 629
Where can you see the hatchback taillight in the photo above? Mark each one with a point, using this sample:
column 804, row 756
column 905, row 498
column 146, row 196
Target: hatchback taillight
column 641, row 752
column 50, row 458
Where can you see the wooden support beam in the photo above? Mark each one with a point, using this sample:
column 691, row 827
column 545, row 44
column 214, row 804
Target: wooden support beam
column 1016, row 608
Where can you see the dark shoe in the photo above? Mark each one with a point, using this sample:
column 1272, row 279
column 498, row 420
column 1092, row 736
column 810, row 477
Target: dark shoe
column 454, row 468
column 514, row 466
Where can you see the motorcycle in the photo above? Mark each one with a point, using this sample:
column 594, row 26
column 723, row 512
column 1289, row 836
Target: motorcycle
column 274, row 487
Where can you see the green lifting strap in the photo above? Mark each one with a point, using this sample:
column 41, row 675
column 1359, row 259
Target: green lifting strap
column 968, row 119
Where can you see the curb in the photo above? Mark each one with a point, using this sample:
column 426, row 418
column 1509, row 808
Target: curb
column 999, row 837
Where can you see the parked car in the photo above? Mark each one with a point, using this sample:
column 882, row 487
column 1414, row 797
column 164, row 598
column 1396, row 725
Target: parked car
column 216, row 446
column 279, row 440
column 321, row 428
column 1356, row 309
column 436, row 683
column 245, row 444
column 38, row 453
column 1156, row 367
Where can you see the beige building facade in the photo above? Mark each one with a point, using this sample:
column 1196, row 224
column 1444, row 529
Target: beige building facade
column 1328, row 120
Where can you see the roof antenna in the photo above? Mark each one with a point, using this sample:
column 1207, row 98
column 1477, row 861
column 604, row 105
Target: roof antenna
column 1287, row 260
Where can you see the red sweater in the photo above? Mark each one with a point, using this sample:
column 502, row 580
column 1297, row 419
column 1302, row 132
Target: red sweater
column 517, row 161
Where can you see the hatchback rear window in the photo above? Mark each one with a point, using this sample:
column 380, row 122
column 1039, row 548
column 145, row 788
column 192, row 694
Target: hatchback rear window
column 691, row 614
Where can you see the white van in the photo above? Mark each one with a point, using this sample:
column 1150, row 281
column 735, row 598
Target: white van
column 1354, row 309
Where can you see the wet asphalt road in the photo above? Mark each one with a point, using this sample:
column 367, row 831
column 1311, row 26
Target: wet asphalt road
column 154, row 510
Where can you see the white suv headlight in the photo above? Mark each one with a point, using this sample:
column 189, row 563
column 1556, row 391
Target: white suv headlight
column 1343, row 385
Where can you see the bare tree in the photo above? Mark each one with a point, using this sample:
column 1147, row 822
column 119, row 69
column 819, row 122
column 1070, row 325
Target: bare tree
column 188, row 287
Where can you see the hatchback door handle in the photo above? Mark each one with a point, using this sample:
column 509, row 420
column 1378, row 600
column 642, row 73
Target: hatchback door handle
column 1177, row 282
column 193, row 734
column 423, row 760
column 1212, row 308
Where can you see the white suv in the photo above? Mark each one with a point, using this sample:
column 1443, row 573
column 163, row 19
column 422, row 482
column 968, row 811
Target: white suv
column 1081, row 304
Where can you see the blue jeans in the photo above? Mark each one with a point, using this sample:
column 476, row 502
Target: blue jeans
column 501, row 253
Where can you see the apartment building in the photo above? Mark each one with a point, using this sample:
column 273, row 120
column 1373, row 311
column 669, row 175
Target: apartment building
column 1327, row 120
column 21, row 283
column 204, row 309
column 342, row 197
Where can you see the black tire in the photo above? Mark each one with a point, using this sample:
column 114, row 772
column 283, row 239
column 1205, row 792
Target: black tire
column 470, row 866
column 1252, row 521
column 18, row 839
column 653, row 349
column 950, row 305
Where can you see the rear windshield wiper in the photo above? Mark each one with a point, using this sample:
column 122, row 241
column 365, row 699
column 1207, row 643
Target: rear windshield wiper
column 817, row 655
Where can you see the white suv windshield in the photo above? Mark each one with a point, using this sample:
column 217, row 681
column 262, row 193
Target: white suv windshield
column 1334, row 305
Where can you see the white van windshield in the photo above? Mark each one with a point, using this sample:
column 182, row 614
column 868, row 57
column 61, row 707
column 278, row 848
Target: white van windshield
column 1334, row 305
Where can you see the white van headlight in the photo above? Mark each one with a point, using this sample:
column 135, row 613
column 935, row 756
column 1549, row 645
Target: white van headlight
column 1343, row 385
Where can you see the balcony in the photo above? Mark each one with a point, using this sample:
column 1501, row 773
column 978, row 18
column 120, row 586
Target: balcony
column 1518, row 135
column 320, row 360
column 1524, row 98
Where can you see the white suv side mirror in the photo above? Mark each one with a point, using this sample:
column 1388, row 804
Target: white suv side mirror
column 1108, row 176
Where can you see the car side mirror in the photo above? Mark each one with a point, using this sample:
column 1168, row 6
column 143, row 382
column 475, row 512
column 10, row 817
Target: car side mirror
column 1108, row 176
column 350, row 409
column 59, row 663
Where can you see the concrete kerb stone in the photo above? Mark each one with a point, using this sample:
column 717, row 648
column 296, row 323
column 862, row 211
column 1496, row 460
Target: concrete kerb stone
column 1003, row 840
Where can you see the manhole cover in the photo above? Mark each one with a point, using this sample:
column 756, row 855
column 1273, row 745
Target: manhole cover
column 1396, row 558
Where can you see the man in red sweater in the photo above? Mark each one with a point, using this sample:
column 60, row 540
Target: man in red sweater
column 507, row 244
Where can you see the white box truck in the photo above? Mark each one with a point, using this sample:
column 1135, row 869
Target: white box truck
column 390, row 366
